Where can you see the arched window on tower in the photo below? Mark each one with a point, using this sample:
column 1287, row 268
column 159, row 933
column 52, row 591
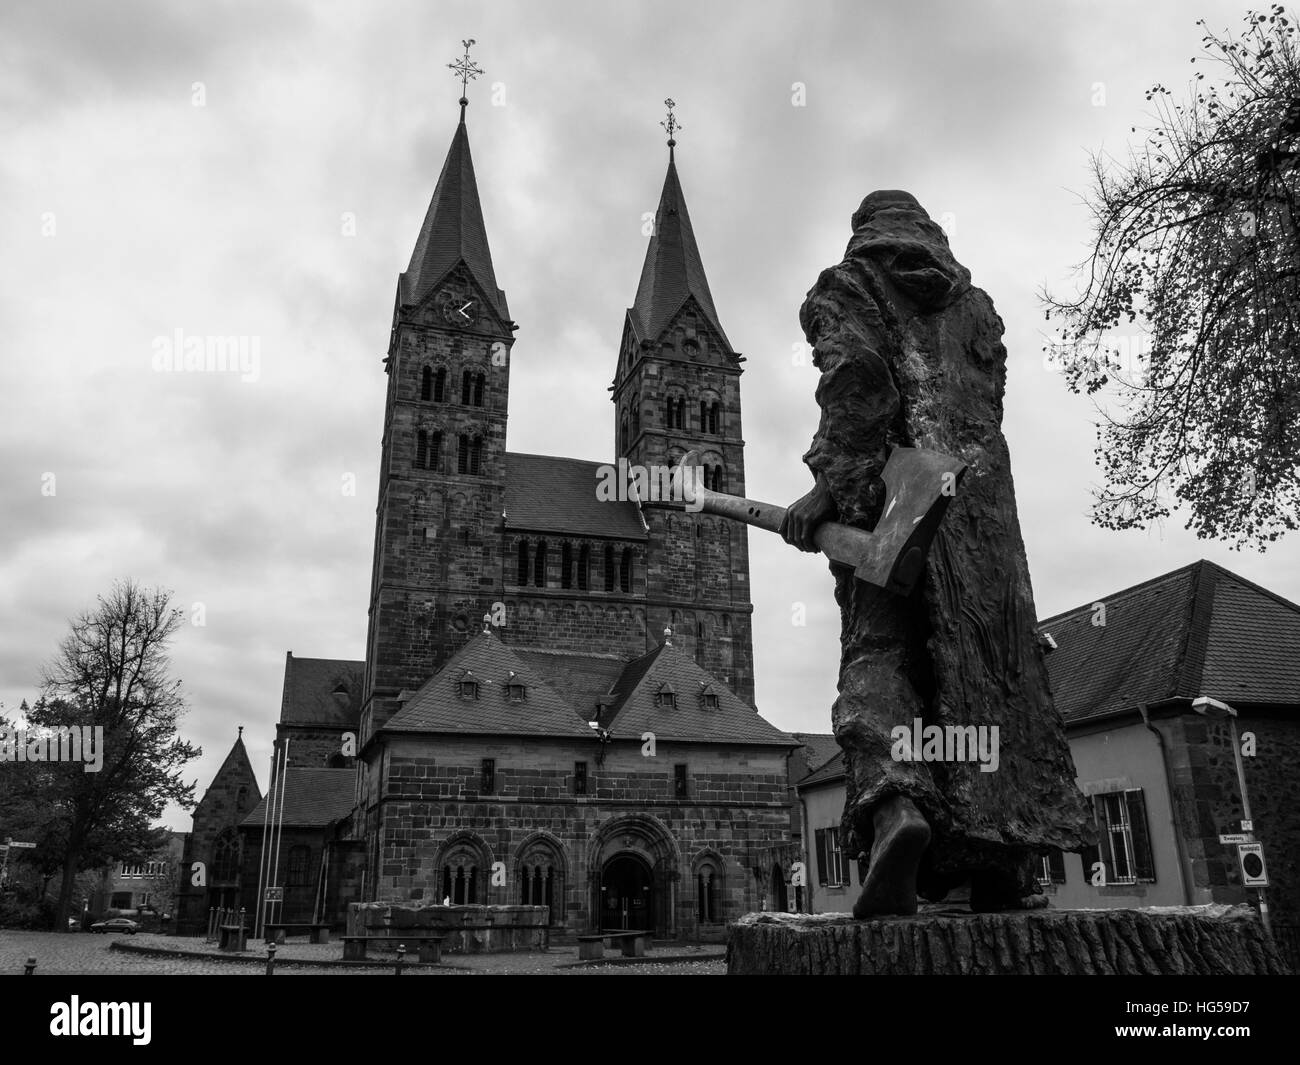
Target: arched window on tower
column 636, row 416
column 523, row 562
column 440, row 385
column 475, row 455
column 462, row 454
column 704, row 416
column 713, row 478
column 421, row 450
column 466, row 384
column 434, row 455
column 566, row 564
column 584, row 566
column 625, row 571
column 539, row 569
column 622, row 435
column 479, row 382
column 609, row 567
column 676, row 412
column 426, row 384
column 715, row 417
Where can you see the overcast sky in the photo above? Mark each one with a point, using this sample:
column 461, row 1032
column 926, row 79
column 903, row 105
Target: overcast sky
column 127, row 212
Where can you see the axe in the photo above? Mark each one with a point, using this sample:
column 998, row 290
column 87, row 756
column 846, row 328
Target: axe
column 893, row 554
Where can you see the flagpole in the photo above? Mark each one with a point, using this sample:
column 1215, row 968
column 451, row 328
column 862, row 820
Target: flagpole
column 284, row 780
column 261, row 858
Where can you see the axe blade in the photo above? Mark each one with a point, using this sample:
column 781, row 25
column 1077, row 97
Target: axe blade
column 918, row 487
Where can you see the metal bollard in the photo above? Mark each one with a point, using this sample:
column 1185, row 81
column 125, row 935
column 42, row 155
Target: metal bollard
column 401, row 957
column 30, row 968
column 270, row 959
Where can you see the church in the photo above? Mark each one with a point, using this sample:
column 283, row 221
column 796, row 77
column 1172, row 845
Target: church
column 556, row 705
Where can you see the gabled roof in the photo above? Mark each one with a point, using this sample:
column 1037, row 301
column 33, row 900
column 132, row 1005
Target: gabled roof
column 312, row 694
column 312, row 797
column 673, row 268
column 1199, row 630
column 549, row 494
column 634, row 710
column 453, row 232
column 581, row 679
column 439, row 707
column 236, row 765
column 830, row 770
column 820, row 746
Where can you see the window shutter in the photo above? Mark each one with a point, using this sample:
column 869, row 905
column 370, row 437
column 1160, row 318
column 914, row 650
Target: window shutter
column 820, row 836
column 1137, row 818
column 1056, row 865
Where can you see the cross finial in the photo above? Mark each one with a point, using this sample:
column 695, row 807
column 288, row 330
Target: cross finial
column 671, row 125
column 241, row 732
column 467, row 70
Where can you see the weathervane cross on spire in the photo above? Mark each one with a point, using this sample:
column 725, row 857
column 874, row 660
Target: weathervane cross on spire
column 671, row 125
column 467, row 70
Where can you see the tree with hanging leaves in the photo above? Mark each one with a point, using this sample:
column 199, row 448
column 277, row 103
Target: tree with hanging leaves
column 1195, row 244
column 112, row 671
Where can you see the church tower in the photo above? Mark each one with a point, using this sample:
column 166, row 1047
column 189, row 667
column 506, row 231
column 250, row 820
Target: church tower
column 437, row 564
column 677, row 388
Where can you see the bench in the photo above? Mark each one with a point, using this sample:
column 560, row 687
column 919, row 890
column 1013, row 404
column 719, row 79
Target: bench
column 632, row 944
column 232, row 937
column 429, row 943
column 279, row 931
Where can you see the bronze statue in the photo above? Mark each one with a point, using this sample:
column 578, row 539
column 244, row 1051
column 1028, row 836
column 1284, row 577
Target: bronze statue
column 958, row 768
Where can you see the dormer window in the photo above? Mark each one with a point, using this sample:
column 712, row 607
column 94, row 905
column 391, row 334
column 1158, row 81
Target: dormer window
column 516, row 690
column 708, row 697
column 666, row 698
column 469, row 686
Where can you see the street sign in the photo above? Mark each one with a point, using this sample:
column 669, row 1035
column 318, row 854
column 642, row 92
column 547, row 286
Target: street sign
column 1248, row 826
column 274, row 894
column 1234, row 837
column 1253, row 873
column 15, row 843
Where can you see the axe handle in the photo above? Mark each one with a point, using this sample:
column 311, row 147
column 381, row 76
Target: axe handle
column 841, row 543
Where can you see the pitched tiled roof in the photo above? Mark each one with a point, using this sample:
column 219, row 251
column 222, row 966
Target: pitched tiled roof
column 819, row 746
column 312, row 797
column 830, row 770
column 548, row 494
column 439, row 707
column 580, row 678
column 1199, row 630
column 322, row 691
column 634, row 710
column 453, row 232
column 673, row 268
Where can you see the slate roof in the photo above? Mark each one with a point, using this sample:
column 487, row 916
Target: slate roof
column 830, row 770
column 580, row 678
column 439, row 707
column 634, row 711
column 1199, row 630
column 820, row 746
column 549, row 494
column 313, row 798
column 310, row 696
column 673, row 268
column 453, row 232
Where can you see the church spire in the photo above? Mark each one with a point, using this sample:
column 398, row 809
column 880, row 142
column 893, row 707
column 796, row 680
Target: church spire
column 673, row 269
column 453, row 230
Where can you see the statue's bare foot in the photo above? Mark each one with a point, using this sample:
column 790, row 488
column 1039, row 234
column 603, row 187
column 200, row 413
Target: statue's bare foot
column 901, row 836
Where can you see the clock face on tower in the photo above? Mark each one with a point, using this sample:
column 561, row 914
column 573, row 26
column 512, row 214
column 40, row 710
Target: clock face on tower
column 458, row 308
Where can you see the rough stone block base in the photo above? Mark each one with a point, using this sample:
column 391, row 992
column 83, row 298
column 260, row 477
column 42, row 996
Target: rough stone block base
column 1181, row 940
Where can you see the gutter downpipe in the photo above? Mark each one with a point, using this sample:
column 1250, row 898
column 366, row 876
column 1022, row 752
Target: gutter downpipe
column 1183, row 873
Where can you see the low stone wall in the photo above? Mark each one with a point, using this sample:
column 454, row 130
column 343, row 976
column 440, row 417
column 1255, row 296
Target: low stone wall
column 468, row 929
column 1174, row 940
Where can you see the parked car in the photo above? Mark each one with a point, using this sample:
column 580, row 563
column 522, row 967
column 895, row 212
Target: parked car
column 116, row 924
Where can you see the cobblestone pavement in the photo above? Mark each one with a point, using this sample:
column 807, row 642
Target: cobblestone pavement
column 83, row 953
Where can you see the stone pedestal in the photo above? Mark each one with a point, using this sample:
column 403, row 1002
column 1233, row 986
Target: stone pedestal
column 1181, row 940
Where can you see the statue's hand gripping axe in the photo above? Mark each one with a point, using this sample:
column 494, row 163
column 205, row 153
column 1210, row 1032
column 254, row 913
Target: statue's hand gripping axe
column 918, row 484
